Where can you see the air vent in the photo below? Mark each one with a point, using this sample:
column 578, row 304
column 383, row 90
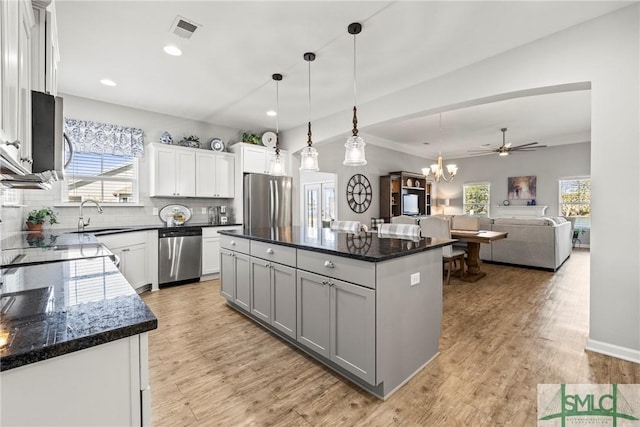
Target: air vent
column 184, row 28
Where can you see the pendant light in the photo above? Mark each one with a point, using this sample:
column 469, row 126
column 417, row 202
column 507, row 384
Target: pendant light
column 309, row 161
column 354, row 147
column 277, row 166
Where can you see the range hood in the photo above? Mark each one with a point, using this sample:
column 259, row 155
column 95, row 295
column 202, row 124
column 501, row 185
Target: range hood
column 47, row 141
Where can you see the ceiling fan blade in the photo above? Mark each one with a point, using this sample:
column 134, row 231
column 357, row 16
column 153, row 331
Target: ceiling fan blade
column 524, row 145
column 528, row 148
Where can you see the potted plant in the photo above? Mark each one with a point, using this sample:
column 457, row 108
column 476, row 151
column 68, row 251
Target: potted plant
column 37, row 217
column 190, row 141
column 250, row 138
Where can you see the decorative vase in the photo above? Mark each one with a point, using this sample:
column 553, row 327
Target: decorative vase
column 34, row 227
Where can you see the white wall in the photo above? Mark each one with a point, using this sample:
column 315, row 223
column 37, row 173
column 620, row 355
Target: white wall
column 153, row 124
column 548, row 165
column 604, row 52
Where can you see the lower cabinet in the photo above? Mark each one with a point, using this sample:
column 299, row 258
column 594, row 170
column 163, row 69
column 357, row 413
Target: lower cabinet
column 273, row 295
column 337, row 320
column 132, row 251
column 235, row 276
column 102, row 385
column 211, row 248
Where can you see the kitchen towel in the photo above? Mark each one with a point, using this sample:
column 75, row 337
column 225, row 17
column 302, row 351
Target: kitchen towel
column 401, row 231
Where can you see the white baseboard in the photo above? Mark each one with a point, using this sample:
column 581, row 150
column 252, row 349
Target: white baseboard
column 613, row 350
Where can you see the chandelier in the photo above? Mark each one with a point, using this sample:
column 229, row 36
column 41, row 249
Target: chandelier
column 437, row 169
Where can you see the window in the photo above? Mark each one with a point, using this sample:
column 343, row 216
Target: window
column 104, row 164
column 107, row 178
column 476, row 198
column 575, row 200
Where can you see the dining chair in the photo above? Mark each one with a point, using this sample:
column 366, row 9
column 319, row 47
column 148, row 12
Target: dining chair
column 375, row 223
column 437, row 227
column 403, row 219
column 349, row 226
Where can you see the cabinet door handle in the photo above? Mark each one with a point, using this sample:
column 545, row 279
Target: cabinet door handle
column 126, row 250
column 325, row 282
column 26, row 160
column 15, row 143
column 329, row 264
column 269, row 251
column 331, row 284
column 267, row 265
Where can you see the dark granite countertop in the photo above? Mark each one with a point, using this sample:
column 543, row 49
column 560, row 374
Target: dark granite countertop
column 52, row 309
column 366, row 247
column 53, row 245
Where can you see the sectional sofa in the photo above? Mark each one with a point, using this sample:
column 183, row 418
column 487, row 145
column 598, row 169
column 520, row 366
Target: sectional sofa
column 541, row 242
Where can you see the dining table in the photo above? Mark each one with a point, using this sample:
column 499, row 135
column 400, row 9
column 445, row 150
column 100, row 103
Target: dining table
column 473, row 239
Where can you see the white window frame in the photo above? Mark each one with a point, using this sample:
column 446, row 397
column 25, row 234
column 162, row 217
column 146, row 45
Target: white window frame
column 64, row 193
column 581, row 222
column 464, row 197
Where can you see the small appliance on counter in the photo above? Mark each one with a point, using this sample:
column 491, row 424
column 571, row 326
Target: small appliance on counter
column 218, row 215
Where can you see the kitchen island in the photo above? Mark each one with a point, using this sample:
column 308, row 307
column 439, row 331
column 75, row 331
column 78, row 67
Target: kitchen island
column 73, row 337
column 367, row 307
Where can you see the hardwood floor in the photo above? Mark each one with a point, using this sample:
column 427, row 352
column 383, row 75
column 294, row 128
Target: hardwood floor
column 501, row 337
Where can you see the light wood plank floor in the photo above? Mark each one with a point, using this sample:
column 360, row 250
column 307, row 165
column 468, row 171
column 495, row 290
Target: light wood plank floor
column 210, row 365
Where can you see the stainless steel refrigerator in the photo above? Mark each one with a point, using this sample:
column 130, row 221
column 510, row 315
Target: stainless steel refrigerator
column 267, row 201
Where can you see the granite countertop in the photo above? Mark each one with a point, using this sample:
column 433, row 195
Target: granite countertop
column 366, row 247
column 52, row 309
column 53, row 245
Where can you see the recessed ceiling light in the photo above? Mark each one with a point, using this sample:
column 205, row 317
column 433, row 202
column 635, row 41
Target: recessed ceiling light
column 271, row 113
column 172, row 50
column 108, row 82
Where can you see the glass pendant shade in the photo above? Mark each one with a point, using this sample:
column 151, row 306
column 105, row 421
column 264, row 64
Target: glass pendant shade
column 354, row 152
column 309, row 160
column 277, row 166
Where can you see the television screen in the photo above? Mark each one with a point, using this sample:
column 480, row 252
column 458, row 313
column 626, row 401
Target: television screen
column 410, row 204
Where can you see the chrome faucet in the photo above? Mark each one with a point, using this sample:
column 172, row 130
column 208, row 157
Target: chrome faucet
column 81, row 223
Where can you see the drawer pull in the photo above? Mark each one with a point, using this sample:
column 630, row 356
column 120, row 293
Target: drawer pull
column 267, row 265
column 329, row 264
column 331, row 284
column 269, row 250
column 232, row 243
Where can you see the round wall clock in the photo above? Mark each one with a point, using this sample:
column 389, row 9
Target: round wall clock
column 359, row 193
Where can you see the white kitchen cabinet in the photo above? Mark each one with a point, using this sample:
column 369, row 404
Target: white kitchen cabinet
column 102, row 385
column 135, row 256
column 172, row 171
column 15, row 74
column 215, row 174
column 45, row 55
column 258, row 158
column 211, row 248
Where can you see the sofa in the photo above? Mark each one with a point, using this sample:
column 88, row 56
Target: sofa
column 541, row 242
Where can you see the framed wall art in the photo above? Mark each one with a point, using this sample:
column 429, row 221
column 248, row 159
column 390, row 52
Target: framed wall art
column 521, row 187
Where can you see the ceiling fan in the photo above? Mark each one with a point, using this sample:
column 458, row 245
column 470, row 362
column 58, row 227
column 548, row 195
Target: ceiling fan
column 505, row 148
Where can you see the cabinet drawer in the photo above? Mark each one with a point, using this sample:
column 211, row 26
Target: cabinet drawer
column 351, row 270
column 277, row 253
column 233, row 243
column 213, row 231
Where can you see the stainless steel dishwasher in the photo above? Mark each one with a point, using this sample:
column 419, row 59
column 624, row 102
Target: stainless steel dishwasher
column 179, row 255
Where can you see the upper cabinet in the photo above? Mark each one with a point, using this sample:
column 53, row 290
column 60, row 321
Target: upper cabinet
column 189, row 172
column 258, row 158
column 215, row 175
column 28, row 61
column 44, row 48
column 15, row 74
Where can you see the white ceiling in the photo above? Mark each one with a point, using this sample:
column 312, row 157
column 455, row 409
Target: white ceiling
column 224, row 74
